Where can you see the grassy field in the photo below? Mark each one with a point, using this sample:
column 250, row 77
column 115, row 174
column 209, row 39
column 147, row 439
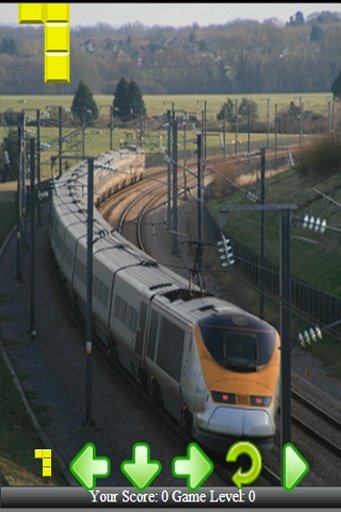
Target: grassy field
column 156, row 104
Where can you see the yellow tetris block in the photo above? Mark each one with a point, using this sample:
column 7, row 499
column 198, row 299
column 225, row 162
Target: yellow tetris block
column 47, row 472
column 31, row 13
column 57, row 67
column 47, row 463
column 57, row 12
column 47, row 454
column 57, row 37
column 38, row 454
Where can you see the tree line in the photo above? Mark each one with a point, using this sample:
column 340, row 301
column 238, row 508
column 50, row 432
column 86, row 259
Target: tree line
column 237, row 57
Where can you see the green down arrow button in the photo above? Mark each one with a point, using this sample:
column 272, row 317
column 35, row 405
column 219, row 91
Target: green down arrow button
column 141, row 470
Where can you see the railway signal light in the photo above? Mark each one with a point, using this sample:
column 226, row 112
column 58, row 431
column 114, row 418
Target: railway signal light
column 291, row 160
column 309, row 335
column 318, row 225
column 250, row 154
column 251, row 197
column 224, row 247
column 6, row 158
column 41, row 195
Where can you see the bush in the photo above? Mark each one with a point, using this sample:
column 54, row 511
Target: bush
column 321, row 158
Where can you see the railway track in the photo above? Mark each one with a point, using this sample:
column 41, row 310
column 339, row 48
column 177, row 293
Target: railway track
column 123, row 217
column 317, row 423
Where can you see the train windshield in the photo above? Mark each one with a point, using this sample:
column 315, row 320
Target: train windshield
column 238, row 349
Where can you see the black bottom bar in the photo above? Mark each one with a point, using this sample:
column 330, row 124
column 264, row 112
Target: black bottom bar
column 171, row 497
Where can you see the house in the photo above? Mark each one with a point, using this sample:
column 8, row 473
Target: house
column 89, row 46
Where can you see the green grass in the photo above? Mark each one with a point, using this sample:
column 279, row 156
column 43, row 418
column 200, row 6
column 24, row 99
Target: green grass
column 17, row 438
column 158, row 103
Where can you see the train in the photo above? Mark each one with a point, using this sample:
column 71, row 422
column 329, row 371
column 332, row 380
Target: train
column 212, row 366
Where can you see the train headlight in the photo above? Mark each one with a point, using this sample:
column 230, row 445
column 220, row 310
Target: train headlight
column 260, row 401
column 225, row 398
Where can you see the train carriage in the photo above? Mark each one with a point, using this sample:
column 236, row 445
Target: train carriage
column 210, row 364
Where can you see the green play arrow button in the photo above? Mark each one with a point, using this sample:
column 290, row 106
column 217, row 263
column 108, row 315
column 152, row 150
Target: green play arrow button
column 295, row 467
column 197, row 467
column 141, row 470
column 86, row 467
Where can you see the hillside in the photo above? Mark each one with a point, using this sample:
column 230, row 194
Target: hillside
column 237, row 57
column 315, row 257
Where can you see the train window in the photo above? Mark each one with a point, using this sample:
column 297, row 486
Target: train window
column 123, row 311
column 133, row 319
column 79, row 270
column 117, row 305
column 171, row 341
column 238, row 349
column 140, row 331
column 99, row 291
column 68, row 256
column 105, row 295
column 154, row 322
column 130, row 317
column 83, row 272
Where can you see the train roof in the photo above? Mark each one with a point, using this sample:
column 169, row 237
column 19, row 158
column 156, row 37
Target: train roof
column 169, row 290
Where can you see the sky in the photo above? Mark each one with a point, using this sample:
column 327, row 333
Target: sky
column 174, row 14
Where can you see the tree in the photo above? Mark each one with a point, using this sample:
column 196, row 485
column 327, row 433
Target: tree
column 128, row 102
column 316, row 34
column 121, row 107
column 83, row 105
column 229, row 108
column 8, row 45
column 296, row 21
column 299, row 19
column 336, row 86
column 245, row 106
column 137, row 105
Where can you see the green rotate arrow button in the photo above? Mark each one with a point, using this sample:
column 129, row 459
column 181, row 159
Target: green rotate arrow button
column 86, row 467
column 141, row 470
column 197, row 467
column 241, row 478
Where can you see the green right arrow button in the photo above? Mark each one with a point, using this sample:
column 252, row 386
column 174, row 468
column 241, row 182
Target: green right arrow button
column 197, row 467
column 295, row 467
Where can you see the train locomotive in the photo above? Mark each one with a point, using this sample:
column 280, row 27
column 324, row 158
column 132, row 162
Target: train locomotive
column 211, row 365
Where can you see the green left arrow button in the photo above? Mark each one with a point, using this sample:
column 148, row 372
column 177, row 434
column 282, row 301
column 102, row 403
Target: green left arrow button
column 141, row 470
column 86, row 467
